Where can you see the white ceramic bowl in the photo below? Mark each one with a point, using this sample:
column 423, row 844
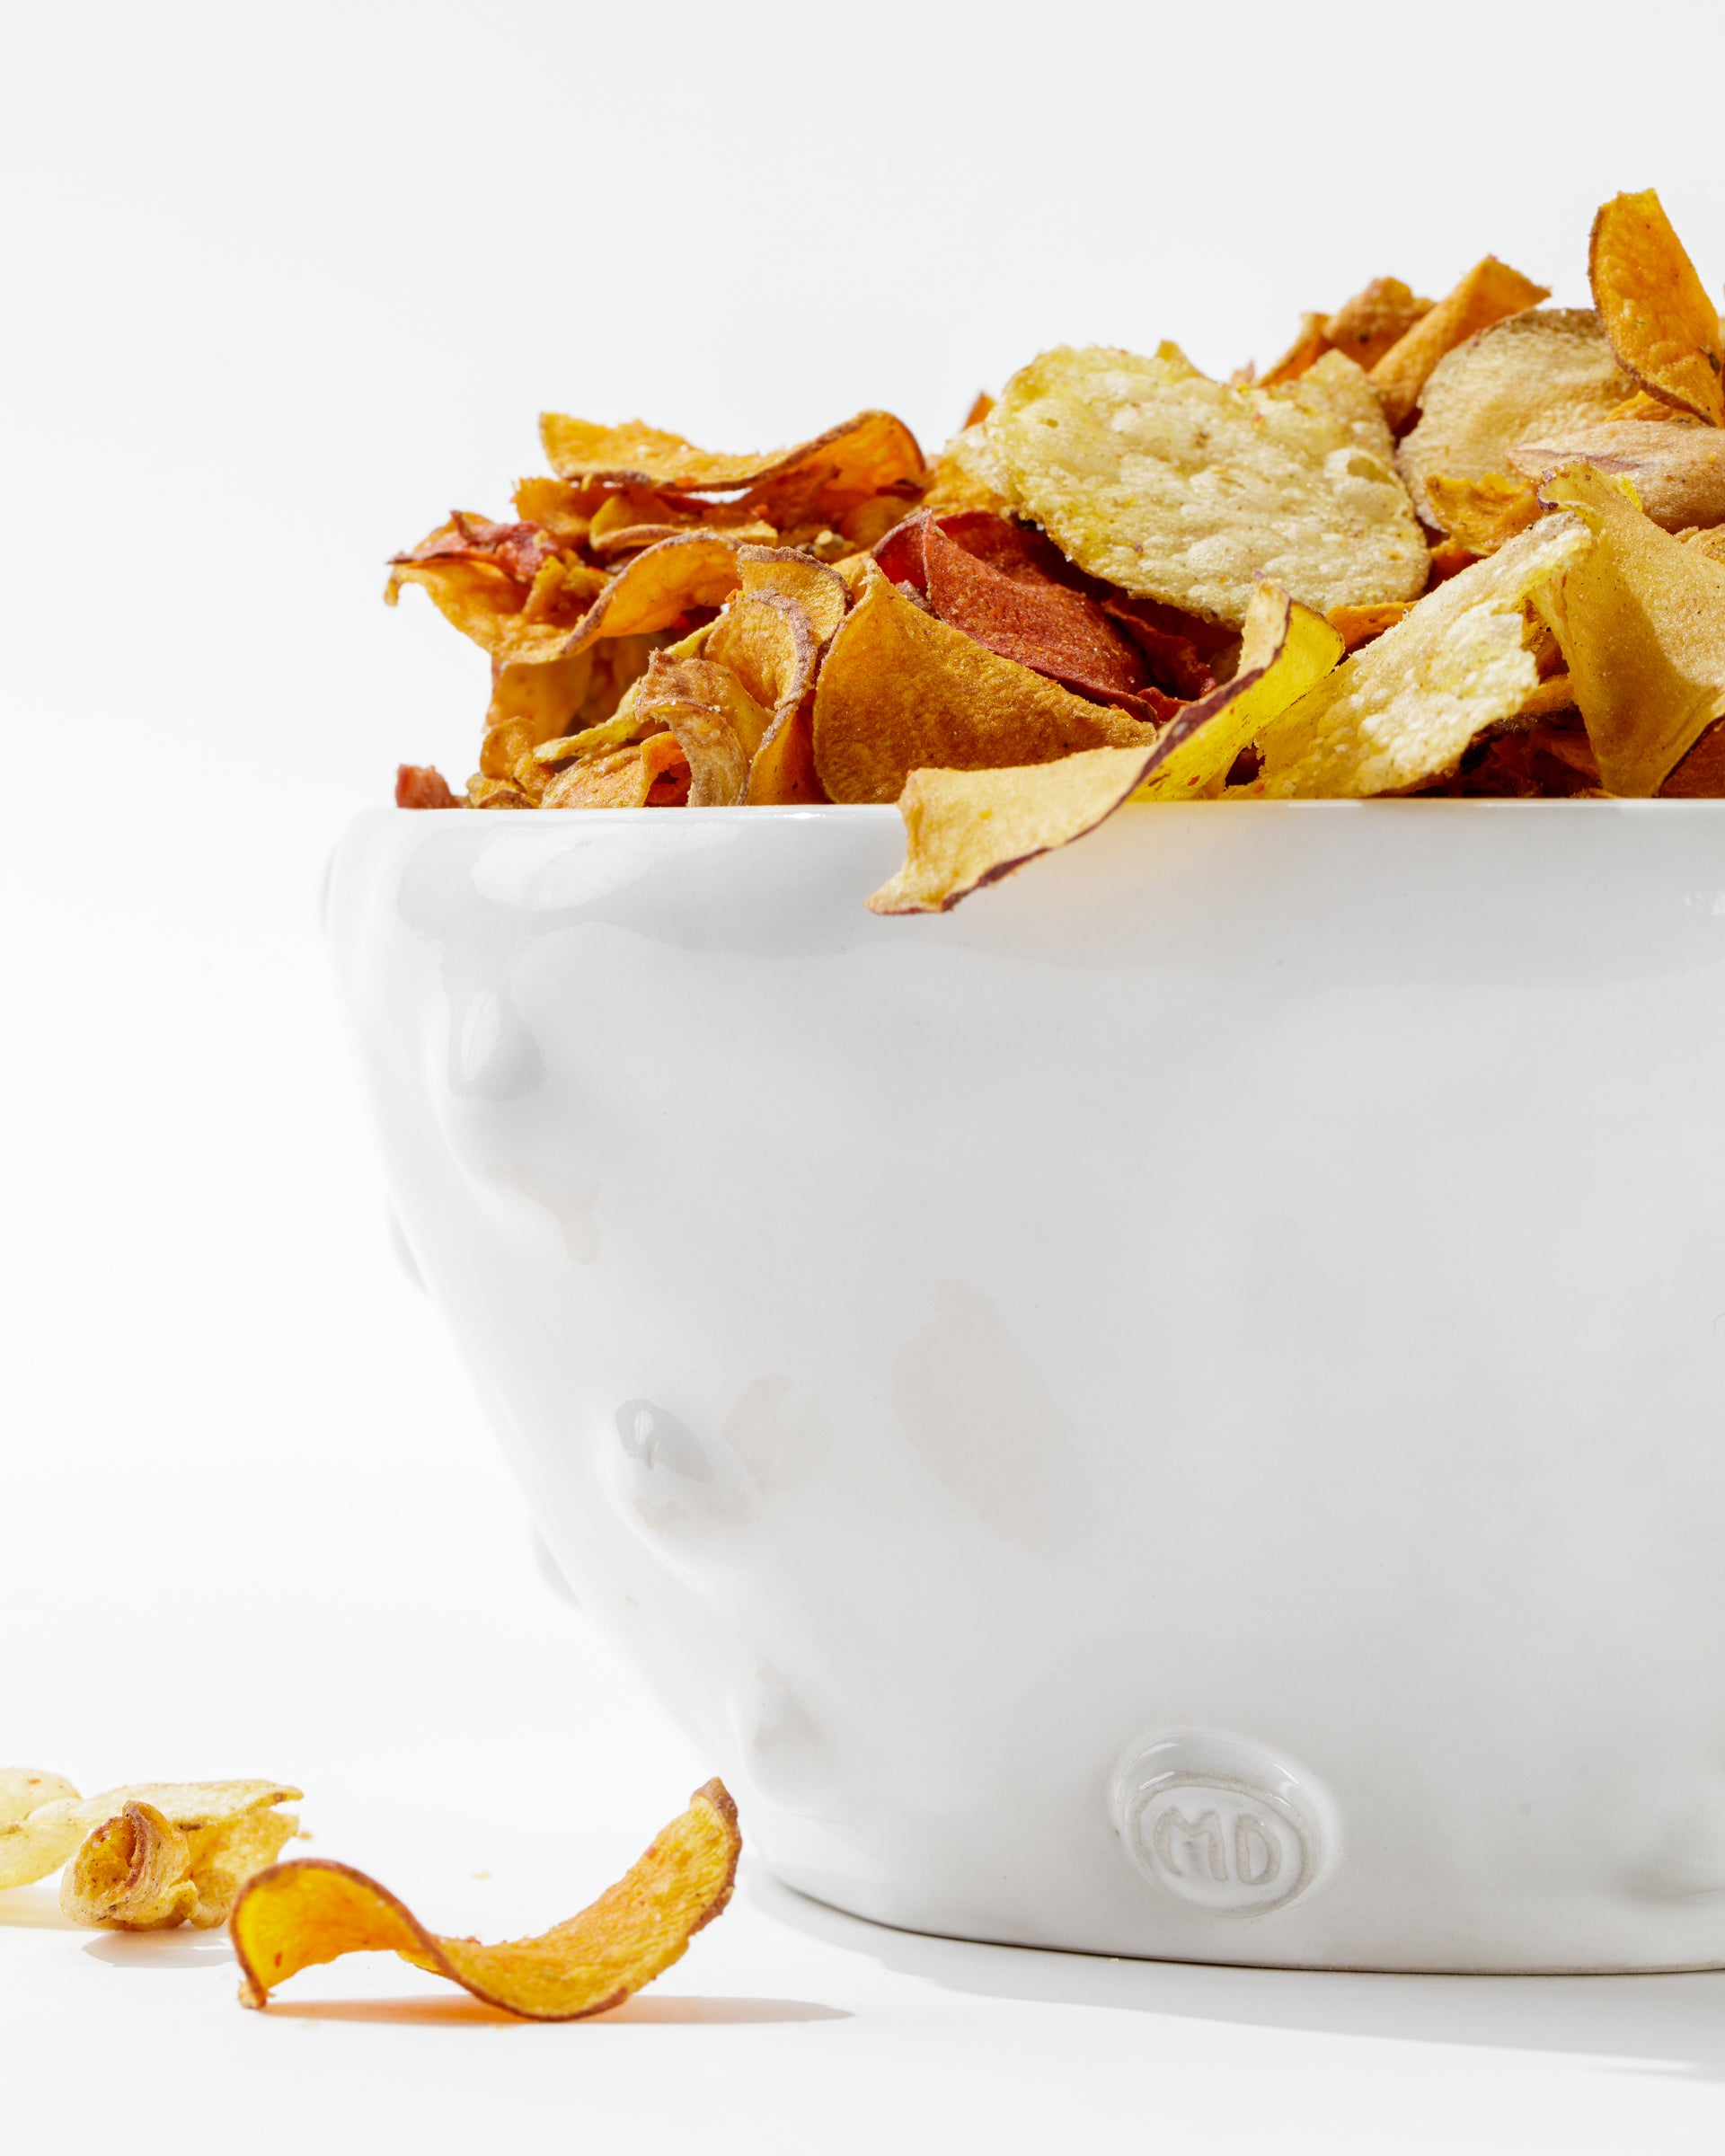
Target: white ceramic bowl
column 1174, row 1410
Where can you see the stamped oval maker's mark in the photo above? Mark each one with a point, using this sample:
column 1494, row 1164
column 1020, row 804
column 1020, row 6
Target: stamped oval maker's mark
column 1219, row 1823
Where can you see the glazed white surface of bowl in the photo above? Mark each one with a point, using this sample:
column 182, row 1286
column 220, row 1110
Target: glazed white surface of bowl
column 1175, row 1411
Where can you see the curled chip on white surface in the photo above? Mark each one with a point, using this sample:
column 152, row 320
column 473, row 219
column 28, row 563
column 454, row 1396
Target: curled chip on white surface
column 1148, row 474
column 1401, row 711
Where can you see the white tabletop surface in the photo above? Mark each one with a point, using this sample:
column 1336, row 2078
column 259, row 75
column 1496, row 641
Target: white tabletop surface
column 281, row 287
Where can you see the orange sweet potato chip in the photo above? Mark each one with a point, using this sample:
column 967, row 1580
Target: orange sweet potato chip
column 901, row 690
column 294, row 1915
column 1490, row 291
column 1375, row 320
column 1357, row 625
column 1663, row 328
column 1483, row 514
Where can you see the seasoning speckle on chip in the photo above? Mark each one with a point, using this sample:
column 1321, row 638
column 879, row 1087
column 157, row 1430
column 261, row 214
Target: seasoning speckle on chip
column 1122, row 578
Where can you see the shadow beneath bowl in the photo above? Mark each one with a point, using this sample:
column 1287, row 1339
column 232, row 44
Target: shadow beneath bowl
column 1640, row 2023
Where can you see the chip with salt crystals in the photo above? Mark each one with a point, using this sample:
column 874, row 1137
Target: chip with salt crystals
column 1490, row 291
column 967, row 829
column 1148, row 474
column 1400, row 712
column 1663, row 327
column 294, row 1915
column 1641, row 619
column 1676, row 466
column 1537, row 373
column 901, row 690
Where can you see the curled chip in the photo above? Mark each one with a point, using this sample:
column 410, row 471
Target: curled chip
column 967, row 829
column 836, row 470
column 1678, row 469
column 1150, row 475
column 773, row 635
column 1662, row 326
column 1400, row 712
column 1490, row 290
column 1538, row 373
column 300, row 1913
column 902, row 691
column 1641, row 619
column 225, row 1830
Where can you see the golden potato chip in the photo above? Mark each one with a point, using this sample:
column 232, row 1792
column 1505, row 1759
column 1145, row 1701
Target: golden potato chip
column 1400, row 712
column 297, row 1914
column 1679, row 471
column 46, row 1835
column 1538, row 373
column 1662, row 326
column 483, row 792
column 1481, row 514
column 614, row 778
column 1150, row 475
column 1490, row 291
column 967, row 829
column 132, row 1874
column 900, row 691
column 1357, row 625
column 1641, row 619
column 25, row 1790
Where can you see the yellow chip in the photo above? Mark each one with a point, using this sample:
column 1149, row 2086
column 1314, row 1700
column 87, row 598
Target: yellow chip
column 220, row 1824
column 967, row 829
column 1490, row 291
column 297, row 1914
column 1483, row 514
column 1150, row 475
column 1400, row 713
column 1538, row 373
column 1677, row 467
column 902, row 691
column 1641, row 623
column 1662, row 326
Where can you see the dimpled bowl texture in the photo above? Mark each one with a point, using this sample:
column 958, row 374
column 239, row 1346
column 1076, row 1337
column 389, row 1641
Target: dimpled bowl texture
column 1173, row 1410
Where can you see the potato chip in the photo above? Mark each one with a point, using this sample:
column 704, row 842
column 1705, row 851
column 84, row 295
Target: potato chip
column 614, row 778
column 967, row 829
column 132, row 1874
column 1709, row 543
column 297, row 1914
column 1662, row 326
column 41, row 1840
column 1400, row 712
column 483, row 792
column 1679, row 471
column 1481, row 515
column 902, row 691
column 1489, row 292
column 1641, row 619
column 1151, row 476
column 25, row 1790
column 1538, row 373
column 970, row 475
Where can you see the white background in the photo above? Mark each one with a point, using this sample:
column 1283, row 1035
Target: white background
column 281, row 286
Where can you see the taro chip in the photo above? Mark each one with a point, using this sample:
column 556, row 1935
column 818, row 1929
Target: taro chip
column 1641, row 619
column 1148, row 474
column 1663, row 327
column 1539, row 372
column 1400, row 712
column 295, row 1915
column 967, row 829
column 1676, row 467
column 1490, row 291
column 901, row 690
